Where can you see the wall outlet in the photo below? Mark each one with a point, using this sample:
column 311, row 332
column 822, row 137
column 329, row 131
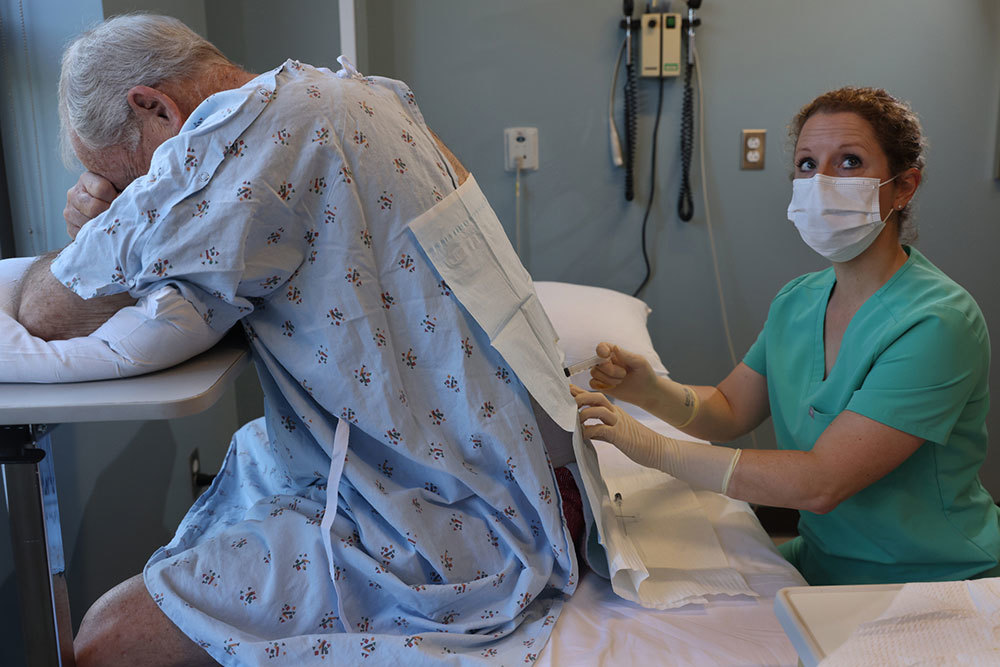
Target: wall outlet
column 752, row 149
column 520, row 142
column 199, row 480
column 194, row 467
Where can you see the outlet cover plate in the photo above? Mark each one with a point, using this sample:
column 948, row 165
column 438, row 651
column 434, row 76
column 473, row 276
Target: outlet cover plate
column 752, row 145
column 520, row 142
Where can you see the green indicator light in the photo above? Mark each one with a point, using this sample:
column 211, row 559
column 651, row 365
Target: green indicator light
column 671, row 22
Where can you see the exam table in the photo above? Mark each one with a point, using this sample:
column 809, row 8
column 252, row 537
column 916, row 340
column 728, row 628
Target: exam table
column 28, row 413
column 596, row 625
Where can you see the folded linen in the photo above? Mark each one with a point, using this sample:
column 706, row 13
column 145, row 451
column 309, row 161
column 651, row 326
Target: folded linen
column 950, row 622
column 660, row 520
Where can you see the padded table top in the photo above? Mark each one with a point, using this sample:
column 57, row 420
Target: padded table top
column 182, row 390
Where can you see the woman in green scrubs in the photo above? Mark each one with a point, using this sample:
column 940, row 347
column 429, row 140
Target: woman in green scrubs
column 874, row 372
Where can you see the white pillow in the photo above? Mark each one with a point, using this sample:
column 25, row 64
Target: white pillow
column 11, row 271
column 585, row 316
column 162, row 329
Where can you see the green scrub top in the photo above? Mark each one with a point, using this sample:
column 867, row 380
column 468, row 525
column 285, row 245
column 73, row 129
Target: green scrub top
column 914, row 357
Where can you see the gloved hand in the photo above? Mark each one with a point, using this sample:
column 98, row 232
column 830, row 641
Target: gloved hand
column 91, row 196
column 700, row 465
column 629, row 377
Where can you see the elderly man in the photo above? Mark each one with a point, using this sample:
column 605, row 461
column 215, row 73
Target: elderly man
column 396, row 502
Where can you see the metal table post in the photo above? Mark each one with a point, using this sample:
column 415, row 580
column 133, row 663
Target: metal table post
column 29, row 476
column 36, row 537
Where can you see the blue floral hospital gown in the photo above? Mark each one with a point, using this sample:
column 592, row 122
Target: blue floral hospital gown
column 285, row 204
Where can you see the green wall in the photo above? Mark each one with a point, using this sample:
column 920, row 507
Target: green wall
column 479, row 67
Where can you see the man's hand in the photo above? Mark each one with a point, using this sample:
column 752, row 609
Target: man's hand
column 91, row 196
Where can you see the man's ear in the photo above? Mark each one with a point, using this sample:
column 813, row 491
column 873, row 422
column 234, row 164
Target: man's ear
column 155, row 106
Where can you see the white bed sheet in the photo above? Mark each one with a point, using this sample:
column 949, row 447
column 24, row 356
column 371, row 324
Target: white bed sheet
column 597, row 627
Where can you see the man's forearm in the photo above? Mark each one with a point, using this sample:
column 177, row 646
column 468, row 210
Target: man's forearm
column 51, row 311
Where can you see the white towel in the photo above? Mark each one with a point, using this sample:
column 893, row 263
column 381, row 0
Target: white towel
column 943, row 623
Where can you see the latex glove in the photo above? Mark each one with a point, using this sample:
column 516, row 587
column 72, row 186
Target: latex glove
column 700, row 465
column 629, row 377
column 91, row 196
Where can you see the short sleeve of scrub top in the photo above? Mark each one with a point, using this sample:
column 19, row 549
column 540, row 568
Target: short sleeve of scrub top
column 924, row 379
column 756, row 356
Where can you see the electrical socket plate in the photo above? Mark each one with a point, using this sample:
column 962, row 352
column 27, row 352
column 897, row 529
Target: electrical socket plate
column 194, row 467
column 752, row 149
column 520, row 142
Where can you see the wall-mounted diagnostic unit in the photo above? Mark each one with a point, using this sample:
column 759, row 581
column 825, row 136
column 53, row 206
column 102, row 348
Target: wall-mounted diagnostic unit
column 661, row 44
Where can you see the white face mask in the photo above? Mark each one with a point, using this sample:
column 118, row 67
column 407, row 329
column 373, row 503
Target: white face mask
column 837, row 217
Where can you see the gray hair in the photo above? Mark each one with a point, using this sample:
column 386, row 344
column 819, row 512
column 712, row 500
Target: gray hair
column 100, row 66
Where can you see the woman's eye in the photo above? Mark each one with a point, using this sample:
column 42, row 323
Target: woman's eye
column 805, row 164
column 851, row 162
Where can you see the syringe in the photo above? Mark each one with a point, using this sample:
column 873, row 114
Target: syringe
column 584, row 365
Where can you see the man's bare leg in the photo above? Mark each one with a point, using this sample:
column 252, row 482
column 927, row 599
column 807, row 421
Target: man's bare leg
column 125, row 627
column 51, row 311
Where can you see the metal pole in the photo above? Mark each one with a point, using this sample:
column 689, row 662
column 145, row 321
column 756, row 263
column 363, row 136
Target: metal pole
column 36, row 539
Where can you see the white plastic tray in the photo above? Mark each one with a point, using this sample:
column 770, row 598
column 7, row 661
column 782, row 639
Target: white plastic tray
column 818, row 619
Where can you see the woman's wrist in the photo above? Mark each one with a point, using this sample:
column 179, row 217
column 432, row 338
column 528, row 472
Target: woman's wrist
column 649, row 398
column 703, row 466
column 673, row 402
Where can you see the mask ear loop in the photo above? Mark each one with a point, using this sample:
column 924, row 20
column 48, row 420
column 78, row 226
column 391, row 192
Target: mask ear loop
column 889, row 181
column 895, row 207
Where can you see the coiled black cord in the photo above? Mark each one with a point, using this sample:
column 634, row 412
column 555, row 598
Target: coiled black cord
column 652, row 191
column 631, row 122
column 685, row 205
